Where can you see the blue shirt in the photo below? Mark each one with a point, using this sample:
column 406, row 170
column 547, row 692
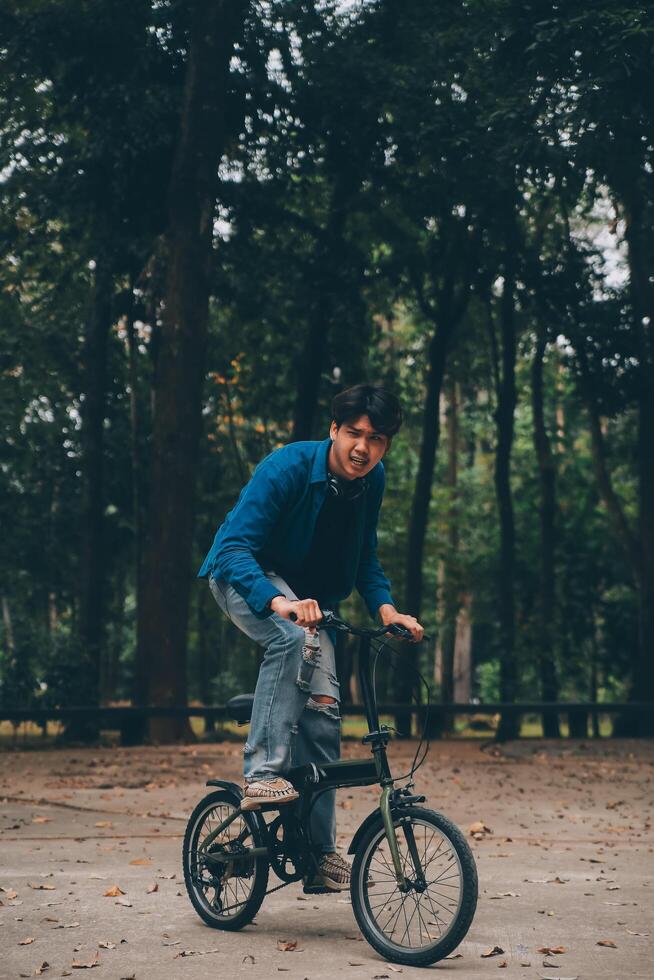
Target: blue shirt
column 272, row 524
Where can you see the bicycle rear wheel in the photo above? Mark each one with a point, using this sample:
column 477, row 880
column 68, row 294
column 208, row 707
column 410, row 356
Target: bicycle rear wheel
column 427, row 922
column 226, row 895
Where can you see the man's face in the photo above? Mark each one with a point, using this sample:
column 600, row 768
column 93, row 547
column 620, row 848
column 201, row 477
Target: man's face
column 356, row 448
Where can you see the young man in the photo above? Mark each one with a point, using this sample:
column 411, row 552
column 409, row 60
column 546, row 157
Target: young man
column 301, row 536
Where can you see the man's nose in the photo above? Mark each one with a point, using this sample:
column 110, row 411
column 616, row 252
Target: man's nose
column 361, row 446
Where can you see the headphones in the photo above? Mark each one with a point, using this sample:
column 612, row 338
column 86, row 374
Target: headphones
column 346, row 489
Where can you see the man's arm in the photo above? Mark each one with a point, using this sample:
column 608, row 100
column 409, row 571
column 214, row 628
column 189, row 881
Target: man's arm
column 246, row 532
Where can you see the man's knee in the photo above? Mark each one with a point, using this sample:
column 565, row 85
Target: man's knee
column 323, row 699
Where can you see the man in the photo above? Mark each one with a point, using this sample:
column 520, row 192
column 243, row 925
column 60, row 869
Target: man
column 301, row 536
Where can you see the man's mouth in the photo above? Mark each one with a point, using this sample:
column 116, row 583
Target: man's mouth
column 358, row 461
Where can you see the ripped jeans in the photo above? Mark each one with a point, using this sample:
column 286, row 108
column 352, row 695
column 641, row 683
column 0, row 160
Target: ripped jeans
column 288, row 728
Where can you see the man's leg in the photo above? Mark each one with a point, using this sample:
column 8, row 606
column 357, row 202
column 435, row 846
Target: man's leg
column 283, row 684
column 318, row 740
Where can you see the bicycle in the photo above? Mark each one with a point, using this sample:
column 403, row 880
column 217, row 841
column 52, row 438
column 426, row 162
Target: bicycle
column 413, row 882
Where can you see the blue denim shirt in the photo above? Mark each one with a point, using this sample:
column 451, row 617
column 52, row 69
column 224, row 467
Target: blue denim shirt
column 272, row 523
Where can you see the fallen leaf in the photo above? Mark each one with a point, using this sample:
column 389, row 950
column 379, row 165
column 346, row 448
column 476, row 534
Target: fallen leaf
column 41, row 819
column 41, row 969
column 106, row 944
column 552, row 950
column 123, row 901
column 607, row 942
column 249, row 959
column 154, row 887
column 287, row 945
column 9, row 892
column 506, row 895
column 77, row 965
column 114, row 892
column 26, row 942
column 493, row 951
column 143, row 861
column 632, row 933
column 103, row 823
column 479, row 827
column 502, row 963
column 39, row 886
column 67, row 925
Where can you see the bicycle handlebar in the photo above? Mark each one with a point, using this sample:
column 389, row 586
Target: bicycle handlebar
column 329, row 619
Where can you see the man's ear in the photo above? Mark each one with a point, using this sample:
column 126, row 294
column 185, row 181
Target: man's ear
column 333, row 429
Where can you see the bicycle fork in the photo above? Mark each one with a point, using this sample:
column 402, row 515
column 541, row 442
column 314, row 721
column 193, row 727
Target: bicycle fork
column 403, row 883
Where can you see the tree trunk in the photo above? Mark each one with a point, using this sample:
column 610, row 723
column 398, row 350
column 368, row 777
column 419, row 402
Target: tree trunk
column 312, row 361
column 181, row 361
column 93, row 558
column 451, row 582
column 438, row 347
column 641, row 268
column 509, row 724
column 547, row 599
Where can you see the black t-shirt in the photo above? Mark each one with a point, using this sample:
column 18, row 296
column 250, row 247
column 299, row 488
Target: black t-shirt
column 320, row 576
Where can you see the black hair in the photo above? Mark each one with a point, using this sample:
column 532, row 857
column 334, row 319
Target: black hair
column 380, row 405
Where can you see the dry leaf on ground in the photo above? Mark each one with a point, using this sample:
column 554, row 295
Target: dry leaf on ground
column 143, row 861
column 479, row 827
column 154, row 887
column 78, row 965
column 287, row 945
column 607, row 942
column 552, row 950
column 493, row 951
column 114, row 892
column 39, row 886
column 26, row 942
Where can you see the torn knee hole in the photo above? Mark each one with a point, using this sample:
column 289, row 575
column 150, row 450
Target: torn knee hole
column 325, row 705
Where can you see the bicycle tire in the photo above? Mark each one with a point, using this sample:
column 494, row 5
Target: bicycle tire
column 207, row 909
column 368, row 864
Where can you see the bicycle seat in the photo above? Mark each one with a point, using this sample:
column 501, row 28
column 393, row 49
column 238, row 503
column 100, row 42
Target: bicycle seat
column 239, row 708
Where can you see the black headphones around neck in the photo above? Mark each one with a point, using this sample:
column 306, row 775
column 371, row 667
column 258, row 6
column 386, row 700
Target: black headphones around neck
column 346, row 489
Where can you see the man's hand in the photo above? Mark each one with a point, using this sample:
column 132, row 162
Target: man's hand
column 306, row 612
column 389, row 614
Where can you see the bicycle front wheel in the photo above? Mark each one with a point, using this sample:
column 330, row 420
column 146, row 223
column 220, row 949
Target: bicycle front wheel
column 425, row 923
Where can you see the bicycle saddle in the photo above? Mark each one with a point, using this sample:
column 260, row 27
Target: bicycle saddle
column 239, row 708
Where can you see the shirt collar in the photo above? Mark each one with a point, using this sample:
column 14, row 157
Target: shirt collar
column 319, row 468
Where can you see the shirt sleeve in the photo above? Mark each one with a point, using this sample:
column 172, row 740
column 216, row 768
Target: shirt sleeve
column 246, row 532
column 371, row 582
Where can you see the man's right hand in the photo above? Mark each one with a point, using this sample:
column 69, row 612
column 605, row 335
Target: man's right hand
column 304, row 612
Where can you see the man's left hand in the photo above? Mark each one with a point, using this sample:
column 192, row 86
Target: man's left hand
column 389, row 614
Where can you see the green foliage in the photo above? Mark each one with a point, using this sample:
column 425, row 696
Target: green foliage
column 376, row 156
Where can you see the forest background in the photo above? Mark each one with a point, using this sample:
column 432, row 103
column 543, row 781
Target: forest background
column 217, row 215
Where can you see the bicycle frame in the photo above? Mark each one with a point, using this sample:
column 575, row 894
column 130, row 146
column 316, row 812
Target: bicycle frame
column 311, row 779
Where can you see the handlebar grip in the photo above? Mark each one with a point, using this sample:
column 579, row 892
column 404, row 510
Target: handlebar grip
column 400, row 631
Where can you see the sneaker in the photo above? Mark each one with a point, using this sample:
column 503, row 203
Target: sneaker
column 264, row 791
column 333, row 875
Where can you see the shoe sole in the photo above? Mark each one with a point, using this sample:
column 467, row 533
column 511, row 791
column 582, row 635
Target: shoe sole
column 254, row 803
